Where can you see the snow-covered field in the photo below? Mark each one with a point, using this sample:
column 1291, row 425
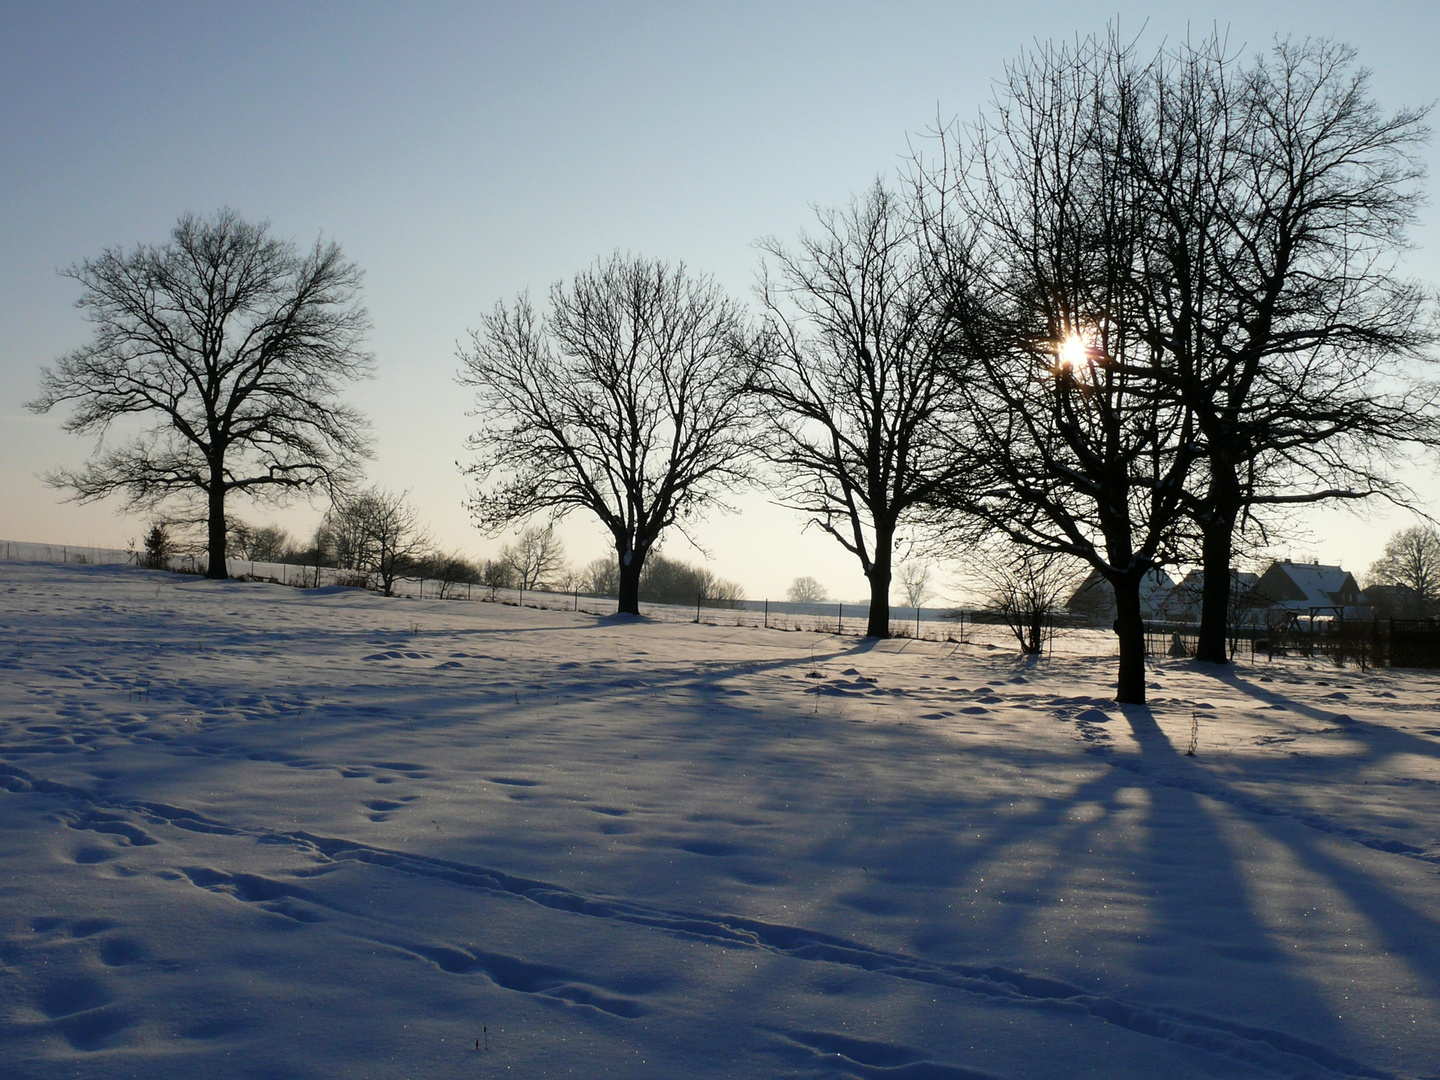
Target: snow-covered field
column 250, row 831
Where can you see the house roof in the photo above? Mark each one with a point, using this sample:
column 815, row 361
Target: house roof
column 1185, row 599
column 1194, row 581
column 1155, row 586
column 1309, row 586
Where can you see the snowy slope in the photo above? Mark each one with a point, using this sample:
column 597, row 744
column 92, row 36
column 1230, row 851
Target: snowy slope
column 251, row 831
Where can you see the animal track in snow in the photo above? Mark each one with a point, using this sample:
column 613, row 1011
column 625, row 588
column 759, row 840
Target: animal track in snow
column 523, row 976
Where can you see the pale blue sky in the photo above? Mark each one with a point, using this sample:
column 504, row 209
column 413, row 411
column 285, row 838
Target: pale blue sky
column 461, row 153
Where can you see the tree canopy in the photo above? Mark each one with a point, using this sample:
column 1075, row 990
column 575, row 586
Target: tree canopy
column 233, row 346
column 625, row 399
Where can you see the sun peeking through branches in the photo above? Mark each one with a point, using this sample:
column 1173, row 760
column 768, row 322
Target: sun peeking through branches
column 1075, row 355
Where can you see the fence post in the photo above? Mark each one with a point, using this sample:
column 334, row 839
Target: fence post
column 577, row 598
column 698, row 597
column 767, row 614
column 840, row 620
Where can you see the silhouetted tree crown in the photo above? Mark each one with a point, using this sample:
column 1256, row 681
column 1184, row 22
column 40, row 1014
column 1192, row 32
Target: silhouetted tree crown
column 234, row 346
column 625, row 399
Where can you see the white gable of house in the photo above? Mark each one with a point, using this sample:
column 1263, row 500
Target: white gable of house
column 1321, row 584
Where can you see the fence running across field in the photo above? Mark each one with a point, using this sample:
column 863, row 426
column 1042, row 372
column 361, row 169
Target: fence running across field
column 1413, row 643
column 850, row 619
column 67, row 553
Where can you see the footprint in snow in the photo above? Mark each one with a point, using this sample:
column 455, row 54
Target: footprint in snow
column 277, row 897
column 404, row 768
column 871, row 1056
column 94, row 821
column 559, row 985
column 90, row 854
column 120, row 952
column 382, row 808
column 713, row 849
column 81, row 1009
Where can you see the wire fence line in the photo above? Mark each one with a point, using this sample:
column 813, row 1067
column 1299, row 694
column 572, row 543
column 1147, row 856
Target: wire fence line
column 832, row 618
column 949, row 625
column 20, row 551
column 1417, row 646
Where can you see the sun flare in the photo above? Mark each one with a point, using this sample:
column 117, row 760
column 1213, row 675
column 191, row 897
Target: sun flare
column 1072, row 352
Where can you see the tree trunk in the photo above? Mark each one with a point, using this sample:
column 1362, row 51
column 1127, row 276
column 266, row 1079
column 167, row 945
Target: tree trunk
column 629, row 594
column 1216, row 543
column 879, row 575
column 1130, row 629
column 1035, row 632
column 1217, row 527
column 216, row 527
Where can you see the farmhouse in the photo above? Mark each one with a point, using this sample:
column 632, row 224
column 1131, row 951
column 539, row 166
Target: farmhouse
column 1182, row 604
column 1094, row 600
column 1295, row 590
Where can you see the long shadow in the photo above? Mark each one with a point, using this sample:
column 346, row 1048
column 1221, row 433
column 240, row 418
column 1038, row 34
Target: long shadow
column 1382, row 739
column 1199, row 894
column 1199, row 898
column 1208, row 902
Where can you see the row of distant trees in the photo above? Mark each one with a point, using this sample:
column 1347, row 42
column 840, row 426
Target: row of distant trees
column 377, row 534
column 1136, row 306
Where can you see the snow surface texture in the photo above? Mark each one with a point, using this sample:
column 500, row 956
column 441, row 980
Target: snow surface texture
column 251, row 831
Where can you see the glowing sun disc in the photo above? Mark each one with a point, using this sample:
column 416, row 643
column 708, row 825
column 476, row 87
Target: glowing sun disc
column 1073, row 352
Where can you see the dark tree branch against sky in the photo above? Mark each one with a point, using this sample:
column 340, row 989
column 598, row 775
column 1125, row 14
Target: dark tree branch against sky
column 1283, row 195
column 465, row 152
column 626, row 400
column 232, row 346
column 1075, row 449
column 859, row 324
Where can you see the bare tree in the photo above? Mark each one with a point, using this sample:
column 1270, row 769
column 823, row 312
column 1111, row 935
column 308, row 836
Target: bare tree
column 1410, row 565
column 1074, row 447
column 317, row 553
column 1025, row 586
column 915, row 583
column 497, row 574
column 1282, row 195
column 536, row 556
column 806, row 590
column 625, row 400
column 265, row 543
column 670, row 581
column 236, row 345
column 601, row 577
column 378, row 532
column 857, row 323
column 449, row 572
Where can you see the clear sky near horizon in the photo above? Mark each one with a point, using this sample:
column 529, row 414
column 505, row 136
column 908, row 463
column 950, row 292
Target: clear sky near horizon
column 464, row 152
